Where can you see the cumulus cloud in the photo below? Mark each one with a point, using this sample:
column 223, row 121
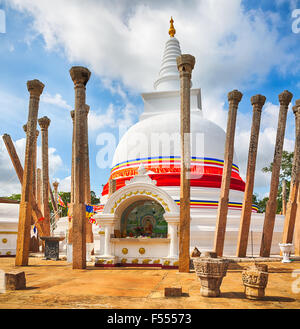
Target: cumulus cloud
column 56, row 100
column 64, row 184
column 122, row 42
column 114, row 117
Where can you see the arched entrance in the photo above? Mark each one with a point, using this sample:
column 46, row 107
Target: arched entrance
column 144, row 218
column 140, row 222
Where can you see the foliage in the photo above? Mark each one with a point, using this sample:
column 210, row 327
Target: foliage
column 285, row 174
column 15, row 197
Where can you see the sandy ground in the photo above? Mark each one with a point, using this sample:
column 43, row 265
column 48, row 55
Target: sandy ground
column 54, row 284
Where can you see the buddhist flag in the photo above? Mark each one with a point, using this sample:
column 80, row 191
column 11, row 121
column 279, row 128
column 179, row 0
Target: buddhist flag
column 89, row 210
column 60, row 201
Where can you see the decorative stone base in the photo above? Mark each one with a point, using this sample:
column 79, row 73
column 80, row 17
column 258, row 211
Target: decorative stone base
column 255, row 279
column 210, row 271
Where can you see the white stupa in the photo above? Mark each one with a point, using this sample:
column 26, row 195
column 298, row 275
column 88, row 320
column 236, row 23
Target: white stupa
column 146, row 169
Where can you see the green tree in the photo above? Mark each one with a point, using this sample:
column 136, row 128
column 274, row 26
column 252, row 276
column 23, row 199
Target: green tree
column 285, row 173
column 15, row 197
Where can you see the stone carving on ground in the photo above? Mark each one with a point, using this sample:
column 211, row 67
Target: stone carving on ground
column 255, row 279
column 211, row 272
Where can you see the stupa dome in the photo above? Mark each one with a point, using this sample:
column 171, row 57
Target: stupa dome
column 155, row 139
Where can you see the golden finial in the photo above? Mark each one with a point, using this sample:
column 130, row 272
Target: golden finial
column 172, row 31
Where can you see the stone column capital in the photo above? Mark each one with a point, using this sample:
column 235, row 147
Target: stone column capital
column 296, row 108
column 55, row 185
column 35, row 87
column 72, row 113
column 258, row 101
column 185, row 63
column 234, row 96
column 44, row 123
column 285, row 98
column 80, row 75
column 25, row 129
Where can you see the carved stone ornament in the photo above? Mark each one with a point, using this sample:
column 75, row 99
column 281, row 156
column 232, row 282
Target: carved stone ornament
column 211, row 272
column 255, row 279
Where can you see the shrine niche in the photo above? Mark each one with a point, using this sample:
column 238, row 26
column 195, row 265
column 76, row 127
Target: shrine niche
column 144, row 218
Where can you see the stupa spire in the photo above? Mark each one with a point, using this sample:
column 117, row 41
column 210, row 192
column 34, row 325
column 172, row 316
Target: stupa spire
column 168, row 78
column 172, row 30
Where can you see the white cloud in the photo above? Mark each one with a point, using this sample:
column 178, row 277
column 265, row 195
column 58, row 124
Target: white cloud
column 123, row 43
column 124, row 40
column 114, row 117
column 64, row 184
column 56, row 100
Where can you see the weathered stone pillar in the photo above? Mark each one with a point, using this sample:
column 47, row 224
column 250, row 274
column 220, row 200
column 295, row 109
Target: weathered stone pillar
column 89, row 226
column 297, row 227
column 55, row 186
column 284, row 99
column 44, row 123
column 34, row 161
column 290, row 217
column 283, row 195
column 72, row 113
column 35, row 88
column 36, row 212
column 39, row 187
column 80, row 76
column 257, row 102
column 185, row 65
column 234, row 97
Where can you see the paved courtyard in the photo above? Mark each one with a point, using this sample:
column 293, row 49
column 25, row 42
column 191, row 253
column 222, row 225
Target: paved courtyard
column 54, row 284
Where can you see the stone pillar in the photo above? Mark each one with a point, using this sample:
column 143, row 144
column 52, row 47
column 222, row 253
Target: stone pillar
column 283, row 194
column 36, row 212
column 290, row 217
column 35, row 88
column 80, row 76
column 89, row 226
column 39, row 187
column 111, row 187
column 34, row 161
column 55, row 186
column 257, row 102
column 44, row 123
column 234, row 97
column 34, row 166
column 297, row 227
column 72, row 113
column 185, row 65
column 265, row 248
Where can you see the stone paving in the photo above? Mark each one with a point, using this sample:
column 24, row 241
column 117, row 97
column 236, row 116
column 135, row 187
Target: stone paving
column 54, row 284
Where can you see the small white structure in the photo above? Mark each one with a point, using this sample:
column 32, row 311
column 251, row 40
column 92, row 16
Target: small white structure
column 9, row 217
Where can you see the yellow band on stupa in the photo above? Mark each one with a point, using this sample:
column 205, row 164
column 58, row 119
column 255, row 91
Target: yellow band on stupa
column 172, row 30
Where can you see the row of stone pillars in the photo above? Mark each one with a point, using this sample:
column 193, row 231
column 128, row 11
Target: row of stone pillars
column 185, row 65
column 34, row 205
column 292, row 213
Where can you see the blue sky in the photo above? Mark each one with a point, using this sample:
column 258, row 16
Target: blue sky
column 245, row 45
